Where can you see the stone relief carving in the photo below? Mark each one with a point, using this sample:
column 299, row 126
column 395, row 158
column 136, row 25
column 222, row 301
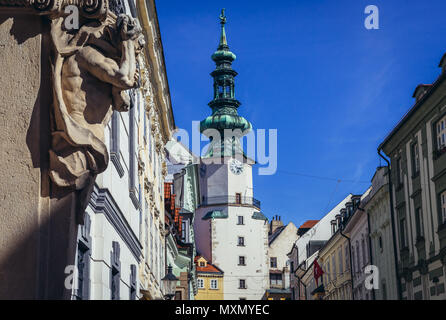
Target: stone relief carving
column 92, row 67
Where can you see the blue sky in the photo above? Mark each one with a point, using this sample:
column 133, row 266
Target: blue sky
column 310, row 69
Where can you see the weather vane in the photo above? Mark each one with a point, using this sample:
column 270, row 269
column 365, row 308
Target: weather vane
column 222, row 16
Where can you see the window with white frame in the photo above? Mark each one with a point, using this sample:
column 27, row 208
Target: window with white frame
column 200, row 283
column 241, row 241
column 441, row 133
column 443, row 206
column 214, row 284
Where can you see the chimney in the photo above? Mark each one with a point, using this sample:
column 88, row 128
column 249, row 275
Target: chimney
column 275, row 223
column 333, row 226
column 420, row 90
column 338, row 221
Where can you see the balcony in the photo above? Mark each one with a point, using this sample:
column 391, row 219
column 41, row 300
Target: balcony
column 236, row 200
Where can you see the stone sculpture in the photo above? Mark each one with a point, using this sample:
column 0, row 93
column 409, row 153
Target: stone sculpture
column 92, row 68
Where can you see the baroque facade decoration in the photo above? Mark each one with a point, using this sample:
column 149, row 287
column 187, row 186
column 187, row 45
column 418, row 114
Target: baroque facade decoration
column 416, row 148
column 91, row 68
column 86, row 213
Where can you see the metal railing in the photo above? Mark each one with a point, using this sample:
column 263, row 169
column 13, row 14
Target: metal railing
column 230, row 200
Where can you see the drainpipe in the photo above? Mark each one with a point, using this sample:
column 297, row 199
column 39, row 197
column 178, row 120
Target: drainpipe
column 398, row 282
column 370, row 245
column 351, row 264
column 300, row 282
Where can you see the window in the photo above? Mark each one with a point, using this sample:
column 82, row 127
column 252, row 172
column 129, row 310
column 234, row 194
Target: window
column 415, row 159
column 241, row 241
column 341, row 267
column 241, row 261
column 132, row 282
column 328, row 272
column 399, row 172
column 403, row 235
column 347, row 258
column 178, row 295
column 228, row 91
column 353, row 259
column 443, row 206
column 333, row 262
column 275, row 279
column 214, row 284
column 364, row 254
column 273, row 262
column 200, row 283
column 419, row 223
column 183, row 230
column 242, row 284
column 202, row 264
column 441, row 132
column 83, row 263
column 115, row 271
column 380, row 242
column 238, row 198
column 240, row 220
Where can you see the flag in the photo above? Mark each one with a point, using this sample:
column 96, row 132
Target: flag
column 317, row 271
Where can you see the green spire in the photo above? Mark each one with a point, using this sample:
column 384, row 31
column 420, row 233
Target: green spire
column 224, row 105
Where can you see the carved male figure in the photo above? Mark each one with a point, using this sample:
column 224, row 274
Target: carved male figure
column 92, row 69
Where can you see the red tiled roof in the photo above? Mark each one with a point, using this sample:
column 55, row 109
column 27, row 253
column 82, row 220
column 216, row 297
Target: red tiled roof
column 309, row 224
column 209, row 267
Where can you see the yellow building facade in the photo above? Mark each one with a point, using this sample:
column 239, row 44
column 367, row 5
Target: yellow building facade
column 209, row 280
column 334, row 259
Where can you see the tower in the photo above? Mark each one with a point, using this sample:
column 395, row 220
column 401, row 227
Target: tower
column 230, row 230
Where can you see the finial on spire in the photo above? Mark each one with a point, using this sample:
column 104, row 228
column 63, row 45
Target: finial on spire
column 222, row 16
column 223, row 43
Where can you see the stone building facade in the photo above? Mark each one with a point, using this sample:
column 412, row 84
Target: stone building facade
column 305, row 247
column 89, row 175
column 377, row 207
column 280, row 239
column 416, row 148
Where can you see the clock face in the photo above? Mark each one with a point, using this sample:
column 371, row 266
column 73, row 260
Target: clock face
column 236, row 166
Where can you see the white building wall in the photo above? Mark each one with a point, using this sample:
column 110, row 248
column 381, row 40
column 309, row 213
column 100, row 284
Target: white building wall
column 280, row 247
column 321, row 231
column 217, row 239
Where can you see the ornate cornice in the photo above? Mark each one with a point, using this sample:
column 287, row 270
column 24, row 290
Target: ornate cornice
column 93, row 9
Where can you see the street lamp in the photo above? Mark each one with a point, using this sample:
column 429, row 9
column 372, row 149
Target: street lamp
column 169, row 284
